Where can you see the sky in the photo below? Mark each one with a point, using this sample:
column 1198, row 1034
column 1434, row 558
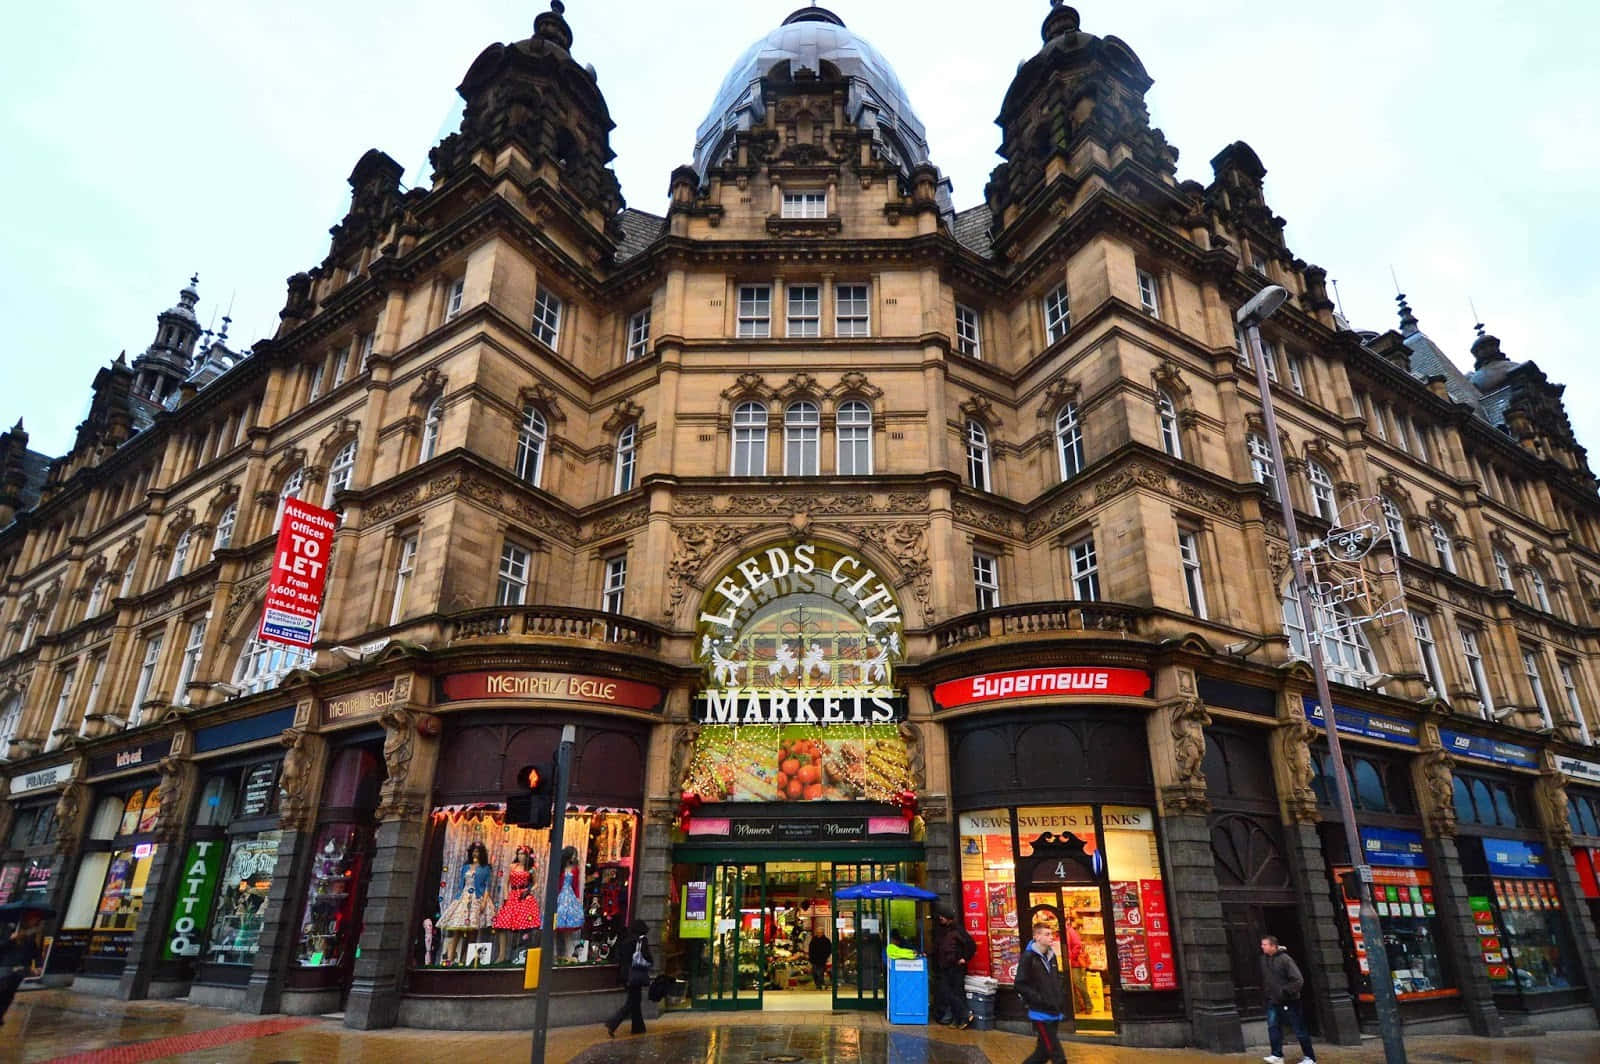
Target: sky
column 1454, row 143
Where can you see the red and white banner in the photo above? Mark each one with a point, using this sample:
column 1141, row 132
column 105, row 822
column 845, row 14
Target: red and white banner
column 299, row 573
column 1035, row 683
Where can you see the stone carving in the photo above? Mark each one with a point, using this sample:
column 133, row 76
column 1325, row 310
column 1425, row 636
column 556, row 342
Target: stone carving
column 68, row 807
column 170, row 820
column 429, row 386
column 801, row 384
column 985, row 517
column 541, row 395
column 398, row 799
column 1294, row 746
column 1551, row 789
column 1187, row 720
column 1136, row 476
column 1169, row 378
column 770, row 503
column 855, row 383
column 241, row 595
column 748, row 384
column 980, row 410
column 912, row 735
column 1062, row 513
column 626, row 412
column 905, row 542
column 1057, row 394
column 1438, row 788
column 1209, row 501
column 682, row 754
column 622, row 520
column 696, row 543
column 296, row 804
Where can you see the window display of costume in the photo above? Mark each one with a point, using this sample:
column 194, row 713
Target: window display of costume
column 569, row 910
column 472, row 908
column 520, row 911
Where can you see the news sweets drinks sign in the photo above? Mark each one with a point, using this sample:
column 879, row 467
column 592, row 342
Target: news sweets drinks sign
column 299, row 574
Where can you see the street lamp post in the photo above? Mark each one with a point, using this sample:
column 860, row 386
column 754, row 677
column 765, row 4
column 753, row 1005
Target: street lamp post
column 1250, row 317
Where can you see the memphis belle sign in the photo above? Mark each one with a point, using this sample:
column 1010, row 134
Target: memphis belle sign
column 800, row 633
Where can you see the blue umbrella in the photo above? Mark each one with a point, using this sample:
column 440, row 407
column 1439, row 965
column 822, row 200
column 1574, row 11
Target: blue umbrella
column 886, row 888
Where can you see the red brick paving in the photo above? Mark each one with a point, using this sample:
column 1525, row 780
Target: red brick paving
column 157, row 1048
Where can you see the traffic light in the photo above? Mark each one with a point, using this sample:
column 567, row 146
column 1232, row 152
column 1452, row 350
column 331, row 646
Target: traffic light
column 531, row 804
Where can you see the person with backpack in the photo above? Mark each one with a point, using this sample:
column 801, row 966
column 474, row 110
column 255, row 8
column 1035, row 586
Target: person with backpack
column 1039, row 984
column 952, row 949
column 633, row 972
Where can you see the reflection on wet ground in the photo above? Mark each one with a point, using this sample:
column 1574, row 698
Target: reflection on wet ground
column 784, row 1045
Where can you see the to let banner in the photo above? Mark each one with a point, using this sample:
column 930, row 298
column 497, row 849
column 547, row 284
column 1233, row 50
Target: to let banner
column 299, row 572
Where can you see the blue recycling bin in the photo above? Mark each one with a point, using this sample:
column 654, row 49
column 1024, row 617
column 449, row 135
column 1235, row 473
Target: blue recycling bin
column 908, row 990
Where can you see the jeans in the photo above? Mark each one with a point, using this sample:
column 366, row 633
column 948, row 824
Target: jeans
column 1297, row 1017
column 950, row 994
column 1047, row 1043
column 632, row 1007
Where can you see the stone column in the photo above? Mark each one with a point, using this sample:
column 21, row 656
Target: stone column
column 299, row 786
column 1327, row 984
column 410, row 754
column 1551, row 790
column 178, row 776
column 1434, row 777
column 1178, row 749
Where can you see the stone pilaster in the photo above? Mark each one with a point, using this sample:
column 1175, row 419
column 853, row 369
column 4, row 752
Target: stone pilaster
column 410, row 753
column 1202, row 937
column 1327, row 983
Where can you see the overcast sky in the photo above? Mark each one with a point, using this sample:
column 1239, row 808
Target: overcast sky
column 1456, row 142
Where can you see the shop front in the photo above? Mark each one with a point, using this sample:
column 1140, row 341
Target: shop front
column 1056, row 824
column 1378, row 753
column 1525, row 942
column 799, row 776
column 108, row 895
column 29, row 861
column 1583, row 819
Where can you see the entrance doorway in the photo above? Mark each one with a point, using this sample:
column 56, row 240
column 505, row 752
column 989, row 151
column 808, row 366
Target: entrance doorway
column 780, row 940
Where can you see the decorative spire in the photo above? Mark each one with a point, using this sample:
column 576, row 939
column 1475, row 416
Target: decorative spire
column 1061, row 21
column 222, row 337
column 550, row 26
column 1408, row 320
column 1486, row 348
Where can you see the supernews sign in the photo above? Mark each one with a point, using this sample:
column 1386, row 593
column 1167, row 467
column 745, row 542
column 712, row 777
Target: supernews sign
column 1037, row 683
column 299, row 573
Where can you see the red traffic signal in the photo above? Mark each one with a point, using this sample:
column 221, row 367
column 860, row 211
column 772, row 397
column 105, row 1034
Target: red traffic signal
column 531, row 805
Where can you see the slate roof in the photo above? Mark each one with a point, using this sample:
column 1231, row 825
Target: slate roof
column 35, row 467
column 971, row 230
column 639, row 230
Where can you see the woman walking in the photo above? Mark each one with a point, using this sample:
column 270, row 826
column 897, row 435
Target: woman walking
column 633, row 972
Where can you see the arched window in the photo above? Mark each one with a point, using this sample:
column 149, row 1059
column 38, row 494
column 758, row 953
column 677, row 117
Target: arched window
column 1167, row 421
column 1541, row 590
column 340, row 472
column 1069, row 441
column 1261, row 467
column 627, row 459
column 430, row 430
column 977, row 456
column 225, row 523
column 1345, row 652
column 263, row 665
column 854, row 424
column 293, row 484
column 1442, row 547
column 531, row 439
column 1502, row 570
column 10, row 720
column 180, row 554
column 1395, row 521
column 750, row 440
column 802, row 431
column 1322, row 491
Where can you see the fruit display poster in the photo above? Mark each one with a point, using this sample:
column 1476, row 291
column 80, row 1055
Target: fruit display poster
column 798, row 762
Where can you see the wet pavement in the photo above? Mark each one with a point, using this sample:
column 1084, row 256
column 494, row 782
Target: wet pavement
column 60, row 1027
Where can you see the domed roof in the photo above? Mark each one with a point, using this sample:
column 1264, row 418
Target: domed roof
column 807, row 39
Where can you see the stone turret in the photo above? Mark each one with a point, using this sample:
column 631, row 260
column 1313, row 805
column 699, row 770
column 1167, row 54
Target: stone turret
column 167, row 361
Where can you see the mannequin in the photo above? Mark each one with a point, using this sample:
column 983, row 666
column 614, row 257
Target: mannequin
column 569, row 910
column 472, row 910
column 520, row 911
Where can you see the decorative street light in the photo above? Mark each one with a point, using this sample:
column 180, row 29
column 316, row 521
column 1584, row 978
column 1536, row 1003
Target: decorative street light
column 1250, row 316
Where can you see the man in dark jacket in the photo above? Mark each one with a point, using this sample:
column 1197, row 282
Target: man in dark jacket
column 19, row 952
column 1281, row 983
column 1039, row 984
column 818, row 952
column 952, row 946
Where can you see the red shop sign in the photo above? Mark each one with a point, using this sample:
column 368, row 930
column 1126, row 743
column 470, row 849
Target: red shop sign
column 299, row 571
column 1036, row 683
column 550, row 686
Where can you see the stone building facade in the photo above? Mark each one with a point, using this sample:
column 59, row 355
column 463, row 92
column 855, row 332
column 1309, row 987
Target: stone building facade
column 981, row 494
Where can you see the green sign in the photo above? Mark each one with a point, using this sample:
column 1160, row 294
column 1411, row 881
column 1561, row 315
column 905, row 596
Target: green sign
column 197, row 885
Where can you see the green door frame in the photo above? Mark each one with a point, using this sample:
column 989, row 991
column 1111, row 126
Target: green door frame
column 865, row 994
column 727, row 885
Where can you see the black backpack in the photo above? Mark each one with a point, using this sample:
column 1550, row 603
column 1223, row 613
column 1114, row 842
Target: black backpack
column 967, row 945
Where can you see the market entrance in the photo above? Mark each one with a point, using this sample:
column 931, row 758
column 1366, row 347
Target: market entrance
column 777, row 938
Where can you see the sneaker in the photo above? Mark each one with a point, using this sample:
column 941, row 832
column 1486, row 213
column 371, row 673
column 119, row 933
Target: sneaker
column 1272, row 1059
column 1307, row 1060
column 972, row 1018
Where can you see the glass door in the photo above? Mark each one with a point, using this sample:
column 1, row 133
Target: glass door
column 861, row 929
column 1068, row 898
column 737, row 962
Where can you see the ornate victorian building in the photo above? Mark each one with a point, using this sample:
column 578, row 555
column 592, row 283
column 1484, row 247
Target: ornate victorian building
column 857, row 535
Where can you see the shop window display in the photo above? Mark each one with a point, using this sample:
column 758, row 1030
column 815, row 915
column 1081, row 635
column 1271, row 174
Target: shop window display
column 242, row 898
column 122, row 897
column 1523, row 937
column 329, row 925
column 490, row 895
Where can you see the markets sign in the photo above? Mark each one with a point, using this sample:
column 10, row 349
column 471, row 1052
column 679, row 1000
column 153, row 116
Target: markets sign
column 548, row 686
column 1512, row 857
column 1587, row 771
column 1039, row 683
column 801, row 633
column 299, row 573
column 39, row 779
column 196, row 887
column 1366, row 725
column 1493, row 751
column 1393, row 848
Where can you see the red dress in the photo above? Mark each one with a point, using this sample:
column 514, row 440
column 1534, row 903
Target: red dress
column 521, row 909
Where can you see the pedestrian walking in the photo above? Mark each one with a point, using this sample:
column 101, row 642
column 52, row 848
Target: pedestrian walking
column 19, row 952
column 1039, row 983
column 1078, row 966
column 952, row 948
column 633, row 972
column 818, row 950
column 1281, row 983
